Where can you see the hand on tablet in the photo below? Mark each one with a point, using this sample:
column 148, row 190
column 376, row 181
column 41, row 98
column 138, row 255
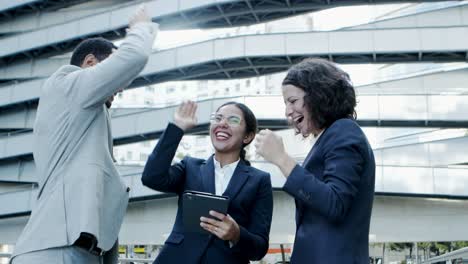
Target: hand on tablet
column 225, row 228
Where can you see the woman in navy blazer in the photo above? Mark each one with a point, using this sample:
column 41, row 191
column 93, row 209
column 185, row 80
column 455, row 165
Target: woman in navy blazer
column 334, row 188
column 241, row 235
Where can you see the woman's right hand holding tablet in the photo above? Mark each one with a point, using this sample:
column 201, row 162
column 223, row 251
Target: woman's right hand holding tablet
column 185, row 116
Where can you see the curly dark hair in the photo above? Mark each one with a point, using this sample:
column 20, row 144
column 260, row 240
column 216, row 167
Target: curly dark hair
column 329, row 93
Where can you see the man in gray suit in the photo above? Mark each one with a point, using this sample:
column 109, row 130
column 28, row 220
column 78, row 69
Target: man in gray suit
column 82, row 199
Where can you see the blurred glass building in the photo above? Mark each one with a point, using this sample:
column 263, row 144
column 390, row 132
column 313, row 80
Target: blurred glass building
column 406, row 60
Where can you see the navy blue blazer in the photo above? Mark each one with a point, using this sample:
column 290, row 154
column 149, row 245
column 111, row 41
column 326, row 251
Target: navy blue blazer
column 251, row 205
column 334, row 191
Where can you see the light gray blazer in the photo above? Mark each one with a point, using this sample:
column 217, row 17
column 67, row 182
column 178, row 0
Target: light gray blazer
column 80, row 189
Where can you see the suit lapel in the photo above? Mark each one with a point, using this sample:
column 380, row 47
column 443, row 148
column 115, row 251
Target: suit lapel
column 314, row 148
column 311, row 152
column 305, row 163
column 239, row 177
column 207, row 176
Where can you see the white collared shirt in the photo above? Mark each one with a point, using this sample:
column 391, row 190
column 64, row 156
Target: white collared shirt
column 223, row 175
column 318, row 136
column 310, row 151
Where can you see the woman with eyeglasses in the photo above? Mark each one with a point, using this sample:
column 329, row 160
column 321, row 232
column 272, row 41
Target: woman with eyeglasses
column 334, row 187
column 243, row 233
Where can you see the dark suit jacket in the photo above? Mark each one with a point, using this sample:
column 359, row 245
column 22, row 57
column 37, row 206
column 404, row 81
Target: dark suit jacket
column 334, row 192
column 251, row 205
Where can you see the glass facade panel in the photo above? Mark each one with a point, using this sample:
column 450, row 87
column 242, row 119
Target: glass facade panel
column 412, row 155
column 453, row 107
column 452, row 181
column 368, row 107
column 452, row 151
column 407, row 180
column 403, row 107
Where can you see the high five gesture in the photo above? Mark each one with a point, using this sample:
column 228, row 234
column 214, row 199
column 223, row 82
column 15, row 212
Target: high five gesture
column 185, row 117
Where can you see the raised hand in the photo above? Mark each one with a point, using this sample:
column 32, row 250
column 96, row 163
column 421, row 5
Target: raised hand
column 185, row 116
column 270, row 146
column 140, row 15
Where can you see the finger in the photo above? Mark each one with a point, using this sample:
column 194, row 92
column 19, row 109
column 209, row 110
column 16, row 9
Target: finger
column 220, row 216
column 276, row 137
column 259, row 138
column 265, row 132
column 259, row 152
column 217, row 230
column 210, row 228
column 192, row 108
column 180, row 109
column 229, row 219
column 141, row 9
column 177, row 111
column 218, row 226
column 259, row 142
column 210, row 221
column 195, row 107
column 185, row 108
column 136, row 14
column 258, row 147
column 144, row 12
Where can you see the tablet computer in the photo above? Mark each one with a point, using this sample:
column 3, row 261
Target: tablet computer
column 197, row 204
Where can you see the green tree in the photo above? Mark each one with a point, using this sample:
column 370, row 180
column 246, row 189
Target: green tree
column 425, row 246
column 402, row 246
column 443, row 247
column 459, row 244
column 438, row 248
column 382, row 245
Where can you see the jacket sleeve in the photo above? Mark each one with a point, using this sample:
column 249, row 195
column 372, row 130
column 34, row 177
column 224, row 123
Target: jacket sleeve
column 158, row 173
column 96, row 84
column 343, row 166
column 254, row 238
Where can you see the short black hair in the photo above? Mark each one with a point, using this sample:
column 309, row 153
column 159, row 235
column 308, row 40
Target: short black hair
column 101, row 48
column 329, row 93
column 251, row 124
